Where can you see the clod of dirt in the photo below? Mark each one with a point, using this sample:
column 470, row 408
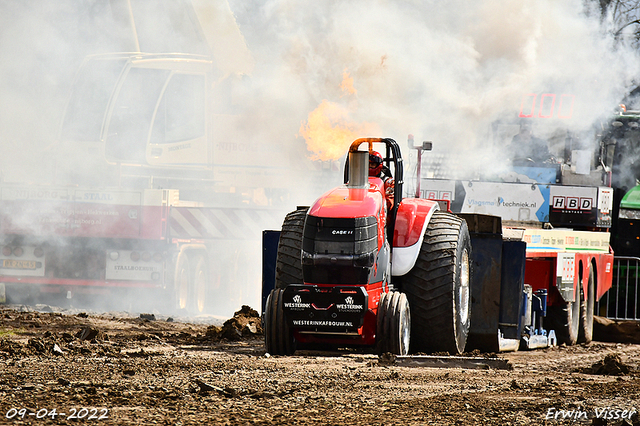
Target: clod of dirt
column 386, row 358
column 206, row 388
column 245, row 323
column 612, row 365
column 87, row 333
column 11, row 348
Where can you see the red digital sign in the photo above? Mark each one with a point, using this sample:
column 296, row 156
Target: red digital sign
column 547, row 105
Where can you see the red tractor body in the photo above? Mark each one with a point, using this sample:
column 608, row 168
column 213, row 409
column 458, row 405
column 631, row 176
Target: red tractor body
column 341, row 261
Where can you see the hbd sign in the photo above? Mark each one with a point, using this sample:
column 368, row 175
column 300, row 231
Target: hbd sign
column 572, row 203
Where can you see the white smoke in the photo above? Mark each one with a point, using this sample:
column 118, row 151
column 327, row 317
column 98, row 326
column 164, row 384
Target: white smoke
column 442, row 71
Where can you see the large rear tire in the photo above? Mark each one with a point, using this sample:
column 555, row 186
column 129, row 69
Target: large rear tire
column 289, row 261
column 438, row 287
column 585, row 332
column 393, row 324
column 278, row 337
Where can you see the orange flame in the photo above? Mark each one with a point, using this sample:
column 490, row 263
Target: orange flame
column 329, row 132
column 347, row 84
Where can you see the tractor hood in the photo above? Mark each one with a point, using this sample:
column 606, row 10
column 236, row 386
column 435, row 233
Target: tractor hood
column 343, row 202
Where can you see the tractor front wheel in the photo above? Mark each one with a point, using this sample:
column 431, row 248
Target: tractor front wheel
column 393, row 324
column 278, row 337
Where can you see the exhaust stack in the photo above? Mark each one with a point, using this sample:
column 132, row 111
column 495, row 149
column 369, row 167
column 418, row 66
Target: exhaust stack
column 358, row 170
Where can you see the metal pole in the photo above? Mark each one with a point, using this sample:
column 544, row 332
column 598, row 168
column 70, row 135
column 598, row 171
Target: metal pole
column 419, row 173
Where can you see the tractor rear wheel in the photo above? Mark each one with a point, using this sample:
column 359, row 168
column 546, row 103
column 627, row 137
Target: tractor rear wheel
column 278, row 337
column 393, row 324
column 585, row 332
column 288, row 261
column 565, row 320
column 438, row 287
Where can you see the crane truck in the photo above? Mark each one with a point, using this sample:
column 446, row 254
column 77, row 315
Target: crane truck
column 144, row 193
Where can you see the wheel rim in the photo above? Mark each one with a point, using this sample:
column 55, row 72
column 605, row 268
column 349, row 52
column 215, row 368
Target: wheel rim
column 183, row 289
column 405, row 330
column 463, row 295
column 200, row 290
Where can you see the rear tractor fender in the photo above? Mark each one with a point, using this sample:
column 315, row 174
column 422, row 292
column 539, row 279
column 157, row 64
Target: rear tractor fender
column 411, row 223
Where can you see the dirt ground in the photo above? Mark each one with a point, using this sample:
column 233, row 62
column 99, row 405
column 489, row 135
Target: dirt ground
column 60, row 367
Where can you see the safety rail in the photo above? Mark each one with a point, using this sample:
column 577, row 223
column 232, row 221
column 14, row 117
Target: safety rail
column 621, row 302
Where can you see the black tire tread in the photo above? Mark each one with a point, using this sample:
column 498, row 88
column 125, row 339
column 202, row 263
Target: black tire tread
column 288, row 261
column 428, row 286
column 390, row 331
column 558, row 319
column 587, row 305
column 278, row 337
column 381, row 338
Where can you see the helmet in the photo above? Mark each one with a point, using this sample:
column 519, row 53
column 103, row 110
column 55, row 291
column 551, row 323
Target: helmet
column 375, row 164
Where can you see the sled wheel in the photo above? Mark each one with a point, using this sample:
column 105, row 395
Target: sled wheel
column 438, row 287
column 288, row 261
column 200, row 286
column 585, row 332
column 182, row 282
column 278, row 336
column 565, row 320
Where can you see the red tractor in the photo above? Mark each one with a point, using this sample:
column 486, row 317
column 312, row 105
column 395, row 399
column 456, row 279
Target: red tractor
column 365, row 267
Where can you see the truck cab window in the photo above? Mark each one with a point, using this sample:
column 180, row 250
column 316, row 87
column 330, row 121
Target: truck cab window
column 89, row 101
column 132, row 114
column 180, row 115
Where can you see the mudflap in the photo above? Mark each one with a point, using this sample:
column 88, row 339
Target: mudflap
column 325, row 309
column 269, row 255
column 496, row 287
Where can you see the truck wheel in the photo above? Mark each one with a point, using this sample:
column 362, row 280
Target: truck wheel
column 182, row 282
column 393, row 324
column 200, row 286
column 565, row 320
column 585, row 332
column 438, row 287
column 288, row 261
column 278, row 337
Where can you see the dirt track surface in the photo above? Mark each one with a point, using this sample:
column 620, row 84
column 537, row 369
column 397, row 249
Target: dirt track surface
column 133, row 370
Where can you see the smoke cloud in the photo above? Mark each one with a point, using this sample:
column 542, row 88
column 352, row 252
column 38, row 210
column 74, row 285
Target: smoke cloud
column 442, row 71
